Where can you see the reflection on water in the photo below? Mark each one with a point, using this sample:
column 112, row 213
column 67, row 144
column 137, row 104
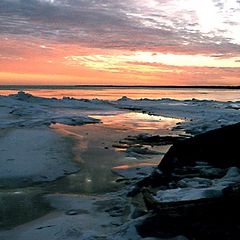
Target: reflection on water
column 95, row 153
column 133, row 165
column 138, row 122
column 97, row 158
column 116, row 93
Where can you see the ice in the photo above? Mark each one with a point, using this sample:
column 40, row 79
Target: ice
column 30, row 151
column 34, row 155
column 195, row 182
column 187, row 194
column 199, row 188
column 22, row 109
column 232, row 176
column 200, row 115
column 94, row 221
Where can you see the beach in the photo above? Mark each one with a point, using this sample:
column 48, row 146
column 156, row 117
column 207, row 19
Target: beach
column 74, row 160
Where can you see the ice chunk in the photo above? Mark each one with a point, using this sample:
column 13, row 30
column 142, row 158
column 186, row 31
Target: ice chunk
column 188, row 194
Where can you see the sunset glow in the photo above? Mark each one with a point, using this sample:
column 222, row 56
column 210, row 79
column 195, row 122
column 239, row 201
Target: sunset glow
column 129, row 43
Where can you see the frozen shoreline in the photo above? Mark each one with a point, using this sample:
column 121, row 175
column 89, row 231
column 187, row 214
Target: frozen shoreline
column 200, row 115
column 23, row 110
column 34, row 155
column 24, row 121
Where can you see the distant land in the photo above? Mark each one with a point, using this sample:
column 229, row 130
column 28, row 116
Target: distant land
column 22, row 87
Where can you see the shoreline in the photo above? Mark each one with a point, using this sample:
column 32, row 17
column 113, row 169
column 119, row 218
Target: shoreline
column 107, row 214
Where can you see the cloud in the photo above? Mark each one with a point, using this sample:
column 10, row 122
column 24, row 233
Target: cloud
column 162, row 26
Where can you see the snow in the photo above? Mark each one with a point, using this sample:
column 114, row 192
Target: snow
column 34, row 155
column 232, row 177
column 200, row 115
column 132, row 173
column 194, row 182
column 95, row 218
column 24, row 110
column 187, row 194
column 30, row 151
column 199, row 188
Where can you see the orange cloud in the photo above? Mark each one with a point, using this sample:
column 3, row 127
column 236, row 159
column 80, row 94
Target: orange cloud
column 38, row 62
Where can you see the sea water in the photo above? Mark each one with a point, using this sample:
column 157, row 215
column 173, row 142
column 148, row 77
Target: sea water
column 114, row 93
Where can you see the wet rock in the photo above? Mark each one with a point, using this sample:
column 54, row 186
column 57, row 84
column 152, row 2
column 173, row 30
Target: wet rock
column 219, row 148
column 156, row 179
column 197, row 189
column 148, row 139
column 158, row 140
column 209, row 218
column 141, row 150
column 138, row 213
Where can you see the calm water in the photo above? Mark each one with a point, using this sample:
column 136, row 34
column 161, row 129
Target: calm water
column 96, row 155
column 98, row 160
column 116, row 93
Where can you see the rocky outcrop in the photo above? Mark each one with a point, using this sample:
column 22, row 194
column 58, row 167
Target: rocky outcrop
column 195, row 192
column 219, row 147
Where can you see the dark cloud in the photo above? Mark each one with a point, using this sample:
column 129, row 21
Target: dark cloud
column 126, row 24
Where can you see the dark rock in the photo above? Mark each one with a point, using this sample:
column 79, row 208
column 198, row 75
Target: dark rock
column 138, row 213
column 141, row 150
column 207, row 163
column 157, row 140
column 219, row 148
column 214, row 218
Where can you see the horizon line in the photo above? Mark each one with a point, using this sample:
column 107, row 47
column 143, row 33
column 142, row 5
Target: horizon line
column 5, row 86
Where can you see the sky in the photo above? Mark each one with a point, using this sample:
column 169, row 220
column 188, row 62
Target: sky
column 127, row 42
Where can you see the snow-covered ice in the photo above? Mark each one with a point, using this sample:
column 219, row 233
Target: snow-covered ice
column 200, row 115
column 34, row 155
column 31, row 151
column 200, row 188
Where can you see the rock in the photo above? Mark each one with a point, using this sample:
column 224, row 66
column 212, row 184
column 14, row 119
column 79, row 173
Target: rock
column 197, row 189
column 218, row 148
column 138, row 213
column 209, row 218
column 156, row 179
column 158, row 140
column 141, row 150
column 148, row 139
